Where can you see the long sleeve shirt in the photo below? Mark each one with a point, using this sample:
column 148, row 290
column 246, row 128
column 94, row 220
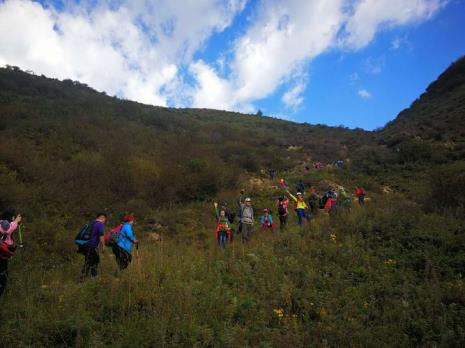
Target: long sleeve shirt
column 8, row 233
column 126, row 237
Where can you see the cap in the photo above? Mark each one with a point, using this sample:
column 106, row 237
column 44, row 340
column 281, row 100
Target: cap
column 248, row 199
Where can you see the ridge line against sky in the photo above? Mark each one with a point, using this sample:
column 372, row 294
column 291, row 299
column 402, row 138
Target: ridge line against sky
column 350, row 62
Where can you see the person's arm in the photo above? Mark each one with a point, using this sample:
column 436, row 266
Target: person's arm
column 131, row 236
column 292, row 196
column 270, row 219
column 217, row 213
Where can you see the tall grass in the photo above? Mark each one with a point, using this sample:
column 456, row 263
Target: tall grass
column 383, row 275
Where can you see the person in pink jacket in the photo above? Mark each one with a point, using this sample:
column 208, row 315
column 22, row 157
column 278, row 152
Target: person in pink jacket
column 8, row 224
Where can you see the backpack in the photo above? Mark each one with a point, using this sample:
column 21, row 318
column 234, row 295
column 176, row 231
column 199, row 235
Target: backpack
column 323, row 201
column 84, row 234
column 6, row 251
column 281, row 209
column 111, row 237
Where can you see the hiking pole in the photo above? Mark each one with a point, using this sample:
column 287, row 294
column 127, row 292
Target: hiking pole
column 20, row 237
column 138, row 262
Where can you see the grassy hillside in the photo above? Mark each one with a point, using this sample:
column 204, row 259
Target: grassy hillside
column 387, row 274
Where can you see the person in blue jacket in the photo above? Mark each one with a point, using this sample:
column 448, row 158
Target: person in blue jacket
column 266, row 220
column 122, row 249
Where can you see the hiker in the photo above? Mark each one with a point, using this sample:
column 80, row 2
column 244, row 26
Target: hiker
column 360, row 194
column 283, row 211
column 330, row 202
column 344, row 200
column 223, row 226
column 241, row 198
column 313, row 201
column 8, row 224
column 300, row 187
column 300, row 206
column 126, row 240
column 266, row 220
column 246, row 219
column 90, row 247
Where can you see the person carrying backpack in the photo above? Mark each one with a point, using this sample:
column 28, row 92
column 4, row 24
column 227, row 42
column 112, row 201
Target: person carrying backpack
column 344, row 200
column 300, row 187
column 8, row 224
column 360, row 194
column 300, row 206
column 247, row 220
column 283, row 211
column 90, row 247
column 266, row 220
column 313, row 201
column 231, row 216
column 223, row 226
column 126, row 240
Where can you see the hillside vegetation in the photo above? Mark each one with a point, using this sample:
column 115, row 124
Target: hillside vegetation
column 386, row 274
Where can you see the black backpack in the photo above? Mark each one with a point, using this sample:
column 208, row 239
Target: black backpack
column 84, row 234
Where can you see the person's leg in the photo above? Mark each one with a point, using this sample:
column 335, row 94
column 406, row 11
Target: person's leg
column 94, row 260
column 87, row 262
column 3, row 275
column 299, row 216
column 281, row 222
column 244, row 231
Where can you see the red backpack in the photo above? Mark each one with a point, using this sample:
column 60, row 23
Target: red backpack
column 111, row 237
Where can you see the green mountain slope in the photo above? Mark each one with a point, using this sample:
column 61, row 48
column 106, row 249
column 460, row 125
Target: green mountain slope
column 389, row 273
column 433, row 128
column 60, row 142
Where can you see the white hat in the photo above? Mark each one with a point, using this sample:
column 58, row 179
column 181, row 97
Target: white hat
column 248, row 199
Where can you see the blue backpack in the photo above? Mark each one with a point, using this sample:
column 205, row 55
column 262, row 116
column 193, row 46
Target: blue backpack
column 84, row 234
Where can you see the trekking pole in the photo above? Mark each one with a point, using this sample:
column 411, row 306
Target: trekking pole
column 138, row 262
column 20, row 237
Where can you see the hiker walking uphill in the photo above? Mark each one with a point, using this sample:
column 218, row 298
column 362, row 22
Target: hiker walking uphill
column 247, row 219
column 126, row 240
column 300, row 187
column 360, row 194
column 283, row 211
column 300, row 206
column 223, row 226
column 8, row 224
column 89, row 239
column 313, row 201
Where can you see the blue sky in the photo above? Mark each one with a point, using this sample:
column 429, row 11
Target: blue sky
column 356, row 63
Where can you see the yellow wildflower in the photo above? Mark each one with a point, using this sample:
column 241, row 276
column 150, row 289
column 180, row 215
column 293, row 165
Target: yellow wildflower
column 279, row 312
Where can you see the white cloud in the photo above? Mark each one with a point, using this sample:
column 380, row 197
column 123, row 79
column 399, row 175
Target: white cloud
column 374, row 66
column 396, row 43
column 370, row 16
column 140, row 49
column 363, row 93
column 133, row 49
column 281, row 38
column 293, row 97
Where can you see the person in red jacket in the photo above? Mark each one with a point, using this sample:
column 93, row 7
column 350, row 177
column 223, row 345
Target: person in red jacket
column 360, row 194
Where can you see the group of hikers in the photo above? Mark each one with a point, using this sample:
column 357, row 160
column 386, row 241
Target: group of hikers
column 93, row 239
column 306, row 209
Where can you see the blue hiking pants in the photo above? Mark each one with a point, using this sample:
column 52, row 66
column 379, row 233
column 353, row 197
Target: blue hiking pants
column 301, row 215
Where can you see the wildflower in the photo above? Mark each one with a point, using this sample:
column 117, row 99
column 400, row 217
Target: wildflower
column 279, row 312
column 333, row 237
column 390, row 262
